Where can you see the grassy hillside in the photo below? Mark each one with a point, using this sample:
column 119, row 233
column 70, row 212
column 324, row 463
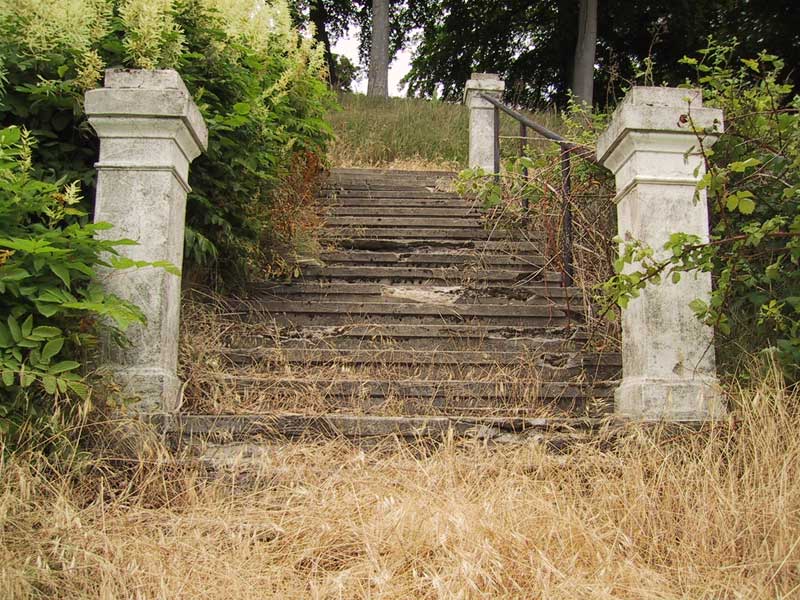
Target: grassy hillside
column 408, row 133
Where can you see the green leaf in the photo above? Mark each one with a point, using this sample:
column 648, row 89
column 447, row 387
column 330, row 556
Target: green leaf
column 14, row 328
column 27, row 326
column 746, row 206
column 698, row 306
column 64, row 365
column 46, row 331
column 8, row 378
column 49, row 383
column 742, row 166
column 241, row 108
column 52, row 348
column 61, row 272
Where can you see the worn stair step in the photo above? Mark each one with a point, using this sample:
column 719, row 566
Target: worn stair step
column 452, row 274
column 394, row 211
column 397, row 194
column 345, row 313
column 393, row 174
column 432, row 202
column 488, row 391
column 388, row 186
column 430, row 258
column 402, row 356
column 407, row 298
column 443, row 397
column 507, row 246
column 235, row 427
column 447, row 332
column 487, row 292
column 554, row 360
column 386, row 339
column 432, row 233
column 406, row 222
column 437, row 310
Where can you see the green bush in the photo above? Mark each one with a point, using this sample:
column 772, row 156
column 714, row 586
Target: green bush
column 259, row 84
column 50, row 309
column 753, row 187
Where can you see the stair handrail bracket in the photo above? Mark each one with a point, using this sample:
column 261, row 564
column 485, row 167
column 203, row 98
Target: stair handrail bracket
column 150, row 130
column 652, row 147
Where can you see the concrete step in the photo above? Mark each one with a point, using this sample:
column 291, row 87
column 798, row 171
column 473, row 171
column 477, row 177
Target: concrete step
column 455, row 275
column 505, row 246
column 379, row 338
column 403, row 332
column 424, row 233
column 385, row 191
column 414, row 397
column 406, row 222
column 488, row 394
column 557, row 432
column 419, row 258
column 394, row 174
column 558, row 362
column 488, row 293
column 398, row 201
column 404, row 211
column 454, row 312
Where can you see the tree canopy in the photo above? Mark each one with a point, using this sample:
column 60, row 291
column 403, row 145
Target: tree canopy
column 531, row 44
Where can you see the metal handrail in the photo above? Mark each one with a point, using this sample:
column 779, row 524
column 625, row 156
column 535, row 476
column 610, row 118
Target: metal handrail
column 567, row 148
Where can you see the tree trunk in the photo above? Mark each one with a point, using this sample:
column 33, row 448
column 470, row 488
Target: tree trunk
column 583, row 66
column 319, row 16
column 378, row 83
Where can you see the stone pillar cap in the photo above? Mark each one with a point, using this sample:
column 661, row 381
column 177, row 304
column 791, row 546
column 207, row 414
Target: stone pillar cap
column 138, row 93
column 658, row 109
column 484, row 82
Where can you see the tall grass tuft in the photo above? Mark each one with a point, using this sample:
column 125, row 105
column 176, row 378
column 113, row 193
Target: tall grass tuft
column 656, row 514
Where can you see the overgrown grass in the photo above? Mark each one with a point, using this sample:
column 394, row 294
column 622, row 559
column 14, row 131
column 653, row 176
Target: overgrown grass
column 408, row 133
column 681, row 514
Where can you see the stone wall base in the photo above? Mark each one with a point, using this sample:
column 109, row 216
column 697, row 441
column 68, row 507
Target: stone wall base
column 652, row 399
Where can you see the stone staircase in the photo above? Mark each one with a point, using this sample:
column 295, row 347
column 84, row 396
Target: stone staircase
column 421, row 316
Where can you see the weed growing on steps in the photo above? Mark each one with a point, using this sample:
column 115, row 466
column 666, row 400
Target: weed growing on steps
column 654, row 514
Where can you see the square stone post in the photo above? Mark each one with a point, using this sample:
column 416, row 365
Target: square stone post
column 668, row 361
column 150, row 130
column 482, row 120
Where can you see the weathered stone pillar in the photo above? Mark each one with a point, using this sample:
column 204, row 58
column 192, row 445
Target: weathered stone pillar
column 482, row 120
column 651, row 147
column 150, row 130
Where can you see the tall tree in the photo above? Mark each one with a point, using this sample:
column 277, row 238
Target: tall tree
column 318, row 14
column 378, row 83
column 583, row 65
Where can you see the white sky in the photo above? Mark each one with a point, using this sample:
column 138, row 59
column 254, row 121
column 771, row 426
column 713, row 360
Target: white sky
column 348, row 46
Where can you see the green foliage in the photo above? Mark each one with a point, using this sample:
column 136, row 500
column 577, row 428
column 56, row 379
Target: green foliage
column 49, row 306
column 532, row 44
column 752, row 182
column 753, row 187
column 258, row 82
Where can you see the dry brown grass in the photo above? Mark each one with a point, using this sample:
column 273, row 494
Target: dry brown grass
column 711, row 514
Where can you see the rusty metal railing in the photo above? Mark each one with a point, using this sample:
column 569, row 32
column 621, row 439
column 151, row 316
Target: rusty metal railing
column 567, row 149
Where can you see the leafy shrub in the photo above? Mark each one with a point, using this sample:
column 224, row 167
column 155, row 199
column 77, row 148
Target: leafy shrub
column 753, row 187
column 259, row 84
column 50, row 308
